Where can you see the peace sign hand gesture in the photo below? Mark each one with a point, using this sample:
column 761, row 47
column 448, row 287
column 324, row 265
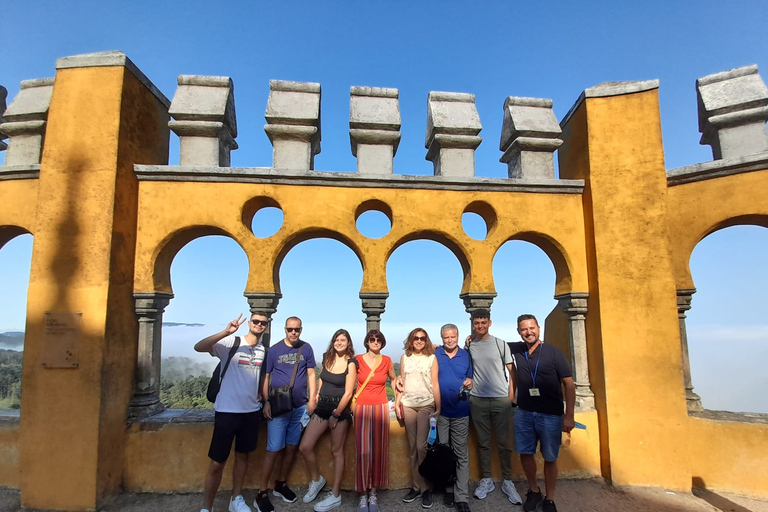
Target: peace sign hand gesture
column 234, row 325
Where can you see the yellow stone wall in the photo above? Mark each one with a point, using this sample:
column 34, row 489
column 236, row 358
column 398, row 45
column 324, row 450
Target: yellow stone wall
column 101, row 235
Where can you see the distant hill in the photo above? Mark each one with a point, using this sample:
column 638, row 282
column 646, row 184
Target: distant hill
column 12, row 340
column 181, row 324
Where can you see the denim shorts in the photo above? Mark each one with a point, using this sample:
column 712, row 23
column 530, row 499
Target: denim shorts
column 534, row 427
column 285, row 429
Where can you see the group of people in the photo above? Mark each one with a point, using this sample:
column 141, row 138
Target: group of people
column 484, row 381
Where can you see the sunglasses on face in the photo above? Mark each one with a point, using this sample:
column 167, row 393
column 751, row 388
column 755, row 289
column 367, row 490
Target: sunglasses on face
column 419, row 338
column 374, row 340
column 260, row 322
column 293, row 329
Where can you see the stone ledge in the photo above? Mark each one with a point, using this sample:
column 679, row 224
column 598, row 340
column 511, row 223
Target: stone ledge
column 734, row 417
column 10, row 416
column 110, row 58
column 607, row 89
column 717, row 169
column 19, row 172
column 351, row 179
column 178, row 416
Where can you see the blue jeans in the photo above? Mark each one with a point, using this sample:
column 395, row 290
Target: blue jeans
column 285, row 429
column 534, row 427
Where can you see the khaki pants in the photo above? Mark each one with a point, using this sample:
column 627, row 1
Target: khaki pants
column 493, row 415
column 417, row 430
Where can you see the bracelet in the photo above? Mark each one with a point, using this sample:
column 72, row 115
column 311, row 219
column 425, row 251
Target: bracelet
column 337, row 416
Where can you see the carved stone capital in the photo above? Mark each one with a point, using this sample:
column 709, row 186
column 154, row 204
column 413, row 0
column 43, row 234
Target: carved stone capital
column 374, row 304
column 263, row 302
column 684, row 299
column 477, row 300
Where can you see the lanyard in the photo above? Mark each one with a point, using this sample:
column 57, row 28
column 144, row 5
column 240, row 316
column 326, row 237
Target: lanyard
column 536, row 371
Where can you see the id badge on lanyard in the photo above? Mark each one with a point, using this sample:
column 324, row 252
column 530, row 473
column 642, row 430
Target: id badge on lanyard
column 534, row 391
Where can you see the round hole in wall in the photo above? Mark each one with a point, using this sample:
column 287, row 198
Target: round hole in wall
column 373, row 218
column 263, row 215
column 478, row 220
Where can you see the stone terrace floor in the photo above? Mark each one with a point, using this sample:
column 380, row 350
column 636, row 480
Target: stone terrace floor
column 572, row 496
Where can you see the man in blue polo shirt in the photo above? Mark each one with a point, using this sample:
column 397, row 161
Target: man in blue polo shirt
column 455, row 379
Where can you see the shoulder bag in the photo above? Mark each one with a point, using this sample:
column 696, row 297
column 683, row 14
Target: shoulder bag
column 281, row 398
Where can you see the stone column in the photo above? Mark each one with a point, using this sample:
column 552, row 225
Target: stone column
column 266, row 304
column 575, row 306
column 293, row 124
column 529, row 137
column 692, row 400
column 146, row 390
column 452, row 127
column 3, row 95
column 374, row 304
column 733, row 109
column 374, row 128
column 203, row 110
column 474, row 301
column 25, row 120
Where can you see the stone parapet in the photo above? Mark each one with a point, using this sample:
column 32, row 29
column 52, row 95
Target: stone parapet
column 733, row 110
column 293, row 123
column 453, row 124
column 203, row 111
column 530, row 135
column 374, row 128
column 24, row 122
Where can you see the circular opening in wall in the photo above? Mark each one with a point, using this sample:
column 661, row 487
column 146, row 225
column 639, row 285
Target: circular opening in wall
column 263, row 215
column 478, row 220
column 373, row 219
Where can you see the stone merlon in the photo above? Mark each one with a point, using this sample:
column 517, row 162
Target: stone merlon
column 453, row 125
column 733, row 109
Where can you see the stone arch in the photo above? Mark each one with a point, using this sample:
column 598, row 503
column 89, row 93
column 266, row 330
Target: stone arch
column 444, row 239
column 9, row 232
column 308, row 234
column 556, row 254
column 685, row 281
column 171, row 245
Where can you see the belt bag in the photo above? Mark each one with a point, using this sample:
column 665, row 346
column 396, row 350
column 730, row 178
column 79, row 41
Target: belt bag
column 281, row 398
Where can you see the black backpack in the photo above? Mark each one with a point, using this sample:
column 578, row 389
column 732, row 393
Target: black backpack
column 218, row 375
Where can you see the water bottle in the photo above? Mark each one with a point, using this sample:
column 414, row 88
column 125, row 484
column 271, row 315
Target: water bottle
column 432, row 430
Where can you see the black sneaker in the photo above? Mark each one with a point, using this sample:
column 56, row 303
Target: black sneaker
column 262, row 502
column 462, row 506
column 282, row 491
column 548, row 506
column 426, row 499
column 532, row 500
column 412, row 495
column 448, row 499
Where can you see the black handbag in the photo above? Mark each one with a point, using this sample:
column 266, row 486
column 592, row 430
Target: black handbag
column 439, row 465
column 214, row 385
column 281, row 398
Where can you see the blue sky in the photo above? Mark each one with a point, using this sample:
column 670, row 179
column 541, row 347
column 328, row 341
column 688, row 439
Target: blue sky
column 491, row 49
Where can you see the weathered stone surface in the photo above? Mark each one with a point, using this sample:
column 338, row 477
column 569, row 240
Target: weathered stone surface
column 374, row 128
column 266, row 304
column 529, row 137
column 3, row 96
column 452, row 127
column 733, row 110
column 374, row 305
column 203, row 109
column 575, row 306
column 293, row 123
column 24, row 122
column 607, row 89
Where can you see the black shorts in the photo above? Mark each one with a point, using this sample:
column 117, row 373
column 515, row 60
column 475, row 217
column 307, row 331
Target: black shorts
column 326, row 405
column 241, row 427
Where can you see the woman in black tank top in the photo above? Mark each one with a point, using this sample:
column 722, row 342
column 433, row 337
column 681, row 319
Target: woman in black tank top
column 334, row 394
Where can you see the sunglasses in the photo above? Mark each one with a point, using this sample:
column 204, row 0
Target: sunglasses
column 260, row 322
column 419, row 338
column 374, row 340
column 293, row 329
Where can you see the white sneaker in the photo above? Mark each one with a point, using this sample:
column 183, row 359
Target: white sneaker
column 237, row 504
column 204, row 510
column 508, row 488
column 330, row 502
column 373, row 503
column 484, row 486
column 363, row 507
column 314, row 488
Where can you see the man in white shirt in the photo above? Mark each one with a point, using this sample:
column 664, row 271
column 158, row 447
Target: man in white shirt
column 237, row 406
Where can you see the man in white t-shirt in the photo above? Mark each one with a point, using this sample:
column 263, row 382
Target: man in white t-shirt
column 237, row 406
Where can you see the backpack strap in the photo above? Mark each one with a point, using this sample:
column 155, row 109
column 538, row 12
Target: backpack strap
column 229, row 358
column 296, row 366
